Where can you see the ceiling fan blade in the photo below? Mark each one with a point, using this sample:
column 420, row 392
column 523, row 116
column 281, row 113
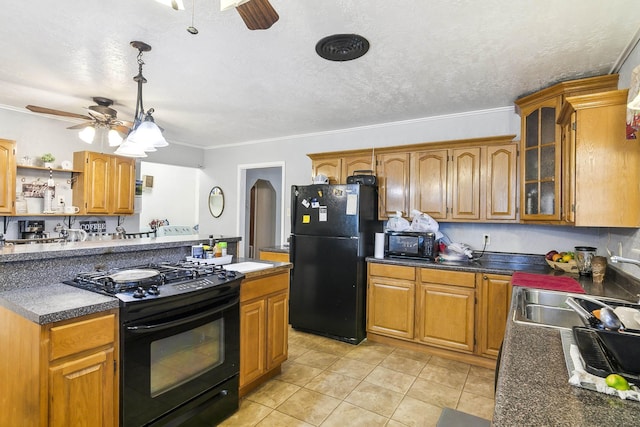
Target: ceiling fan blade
column 121, row 128
column 53, row 112
column 258, row 14
column 81, row 125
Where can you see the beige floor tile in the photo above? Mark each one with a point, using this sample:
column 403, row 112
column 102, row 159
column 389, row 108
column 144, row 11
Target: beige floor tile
column 445, row 376
column 394, row 381
column 317, row 359
column 309, row 406
column 414, row 412
column 412, row 354
column 434, row 393
column 399, row 363
column 352, row 368
column 278, row 419
column 374, row 398
column 476, row 405
column 332, row 384
column 479, row 385
column 295, row 351
column 273, row 393
column 451, row 364
column 353, row 416
column 372, row 354
column 482, row 372
column 249, row 414
column 297, row 373
column 394, row 423
column 331, row 346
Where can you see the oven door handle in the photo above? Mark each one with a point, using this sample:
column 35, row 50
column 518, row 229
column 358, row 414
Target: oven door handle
column 141, row 329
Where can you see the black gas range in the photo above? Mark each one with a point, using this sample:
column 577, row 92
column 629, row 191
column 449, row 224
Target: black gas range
column 179, row 341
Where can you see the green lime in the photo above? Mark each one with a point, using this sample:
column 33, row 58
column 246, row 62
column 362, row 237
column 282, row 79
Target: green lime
column 617, row 382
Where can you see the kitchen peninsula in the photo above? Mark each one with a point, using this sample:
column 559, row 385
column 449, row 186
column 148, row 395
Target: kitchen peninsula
column 65, row 339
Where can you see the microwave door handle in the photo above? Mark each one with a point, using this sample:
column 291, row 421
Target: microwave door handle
column 142, row 329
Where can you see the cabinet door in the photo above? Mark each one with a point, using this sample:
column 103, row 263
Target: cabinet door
column 501, row 182
column 465, row 183
column 541, row 161
column 252, row 340
column 350, row 164
column 393, row 175
column 278, row 329
column 332, row 168
column 446, row 316
column 429, row 182
column 7, row 175
column 82, row 391
column 123, row 187
column 494, row 301
column 97, row 177
column 390, row 307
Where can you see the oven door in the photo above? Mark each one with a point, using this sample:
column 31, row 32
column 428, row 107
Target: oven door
column 173, row 357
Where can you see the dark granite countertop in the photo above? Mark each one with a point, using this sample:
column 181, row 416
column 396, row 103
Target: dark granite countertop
column 533, row 386
column 280, row 249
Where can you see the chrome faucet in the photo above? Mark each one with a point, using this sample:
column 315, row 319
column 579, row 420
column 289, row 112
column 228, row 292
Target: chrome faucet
column 616, row 259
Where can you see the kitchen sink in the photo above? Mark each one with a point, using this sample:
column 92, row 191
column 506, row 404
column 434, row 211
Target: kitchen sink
column 545, row 308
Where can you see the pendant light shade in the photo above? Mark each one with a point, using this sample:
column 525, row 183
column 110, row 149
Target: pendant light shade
column 145, row 135
column 114, row 138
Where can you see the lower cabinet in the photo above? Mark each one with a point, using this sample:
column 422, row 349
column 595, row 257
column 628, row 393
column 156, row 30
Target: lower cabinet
column 274, row 256
column 264, row 328
column 61, row 374
column 494, row 301
column 452, row 312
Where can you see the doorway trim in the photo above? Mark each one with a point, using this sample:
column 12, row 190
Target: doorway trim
column 242, row 198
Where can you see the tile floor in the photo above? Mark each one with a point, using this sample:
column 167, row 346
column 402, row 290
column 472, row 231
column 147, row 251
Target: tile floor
column 330, row 383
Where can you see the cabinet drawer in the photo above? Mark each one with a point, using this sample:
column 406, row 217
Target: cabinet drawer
column 392, row 271
column 80, row 336
column 259, row 287
column 445, row 277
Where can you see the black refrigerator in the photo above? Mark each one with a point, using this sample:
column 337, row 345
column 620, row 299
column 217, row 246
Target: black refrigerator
column 332, row 232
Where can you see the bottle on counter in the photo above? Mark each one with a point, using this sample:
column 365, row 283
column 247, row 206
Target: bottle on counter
column 223, row 248
column 211, row 240
column 218, row 251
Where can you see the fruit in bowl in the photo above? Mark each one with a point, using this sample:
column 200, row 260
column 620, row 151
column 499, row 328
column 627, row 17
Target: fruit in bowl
column 563, row 261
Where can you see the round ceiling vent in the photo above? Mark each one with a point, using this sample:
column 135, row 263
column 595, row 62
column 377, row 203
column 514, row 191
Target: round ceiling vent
column 342, row 47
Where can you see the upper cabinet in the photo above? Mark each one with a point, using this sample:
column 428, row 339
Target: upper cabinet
column 600, row 180
column 106, row 185
column 7, row 175
column 338, row 166
column 394, row 178
column 541, row 152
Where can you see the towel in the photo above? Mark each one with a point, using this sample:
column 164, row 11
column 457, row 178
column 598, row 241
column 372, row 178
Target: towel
column 551, row 283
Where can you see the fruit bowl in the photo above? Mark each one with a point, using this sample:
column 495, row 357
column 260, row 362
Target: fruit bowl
column 567, row 267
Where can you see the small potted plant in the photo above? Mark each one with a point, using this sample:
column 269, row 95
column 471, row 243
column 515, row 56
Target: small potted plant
column 47, row 159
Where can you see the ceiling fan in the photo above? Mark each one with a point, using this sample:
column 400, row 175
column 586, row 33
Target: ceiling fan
column 256, row 14
column 99, row 116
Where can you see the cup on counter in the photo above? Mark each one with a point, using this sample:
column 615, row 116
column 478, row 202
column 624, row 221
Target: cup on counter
column 71, row 209
column 598, row 268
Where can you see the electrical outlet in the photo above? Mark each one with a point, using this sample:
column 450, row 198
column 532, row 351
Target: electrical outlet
column 61, row 200
column 486, row 239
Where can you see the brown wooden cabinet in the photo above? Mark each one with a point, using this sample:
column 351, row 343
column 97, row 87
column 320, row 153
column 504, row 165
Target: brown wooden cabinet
column 541, row 152
column 391, row 300
column 494, row 301
column 501, row 183
column 394, row 179
column 7, row 176
column 106, row 185
column 600, row 164
column 338, row 166
column 264, row 323
column 60, row 374
column 446, row 309
column 274, row 256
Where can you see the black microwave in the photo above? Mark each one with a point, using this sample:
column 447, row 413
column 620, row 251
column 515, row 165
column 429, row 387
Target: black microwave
column 410, row 244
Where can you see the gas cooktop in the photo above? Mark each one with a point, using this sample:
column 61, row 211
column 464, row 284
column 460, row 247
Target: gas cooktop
column 150, row 281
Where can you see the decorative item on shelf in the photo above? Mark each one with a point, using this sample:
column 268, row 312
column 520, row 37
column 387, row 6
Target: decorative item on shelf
column 145, row 136
column 155, row 223
column 47, row 160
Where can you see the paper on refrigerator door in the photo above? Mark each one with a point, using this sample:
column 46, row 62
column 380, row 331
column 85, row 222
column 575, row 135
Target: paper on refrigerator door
column 352, row 204
column 322, row 214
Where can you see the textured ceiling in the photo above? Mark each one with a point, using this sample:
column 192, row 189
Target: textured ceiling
column 229, row 85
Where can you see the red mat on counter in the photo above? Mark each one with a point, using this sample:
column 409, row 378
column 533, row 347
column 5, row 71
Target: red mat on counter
column 551, row 283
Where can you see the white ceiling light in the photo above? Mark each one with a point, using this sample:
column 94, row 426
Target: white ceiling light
column 175, row 4
column 114, row 138
column 145, row 135
column 87, row 134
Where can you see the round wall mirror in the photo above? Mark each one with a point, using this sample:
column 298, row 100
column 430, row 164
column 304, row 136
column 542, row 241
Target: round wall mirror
column 216, row 202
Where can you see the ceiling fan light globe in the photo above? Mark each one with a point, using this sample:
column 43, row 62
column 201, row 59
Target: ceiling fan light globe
column 87, row 134
column 114, row 138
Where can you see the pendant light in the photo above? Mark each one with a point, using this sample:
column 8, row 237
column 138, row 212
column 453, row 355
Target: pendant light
column 145, row 135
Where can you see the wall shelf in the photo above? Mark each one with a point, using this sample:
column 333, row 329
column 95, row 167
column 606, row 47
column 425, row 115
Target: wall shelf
column 42, row 168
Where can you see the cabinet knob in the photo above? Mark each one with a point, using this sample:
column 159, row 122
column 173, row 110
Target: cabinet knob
column 485, row 278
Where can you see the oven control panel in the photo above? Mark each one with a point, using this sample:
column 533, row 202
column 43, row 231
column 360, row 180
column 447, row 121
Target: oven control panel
column 194, row 284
